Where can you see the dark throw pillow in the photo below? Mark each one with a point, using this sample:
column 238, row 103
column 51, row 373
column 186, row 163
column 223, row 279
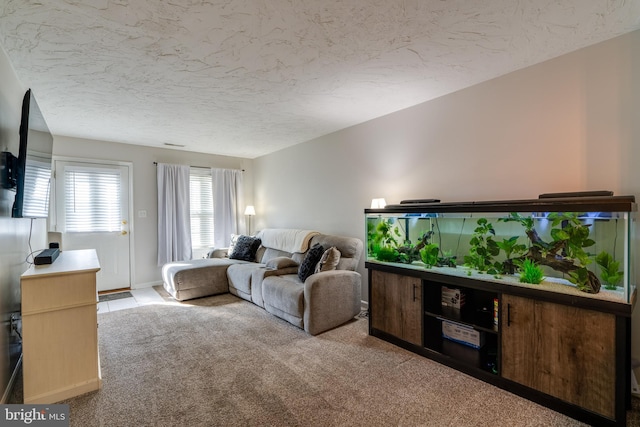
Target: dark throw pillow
column 308, row 265
column 245, row 248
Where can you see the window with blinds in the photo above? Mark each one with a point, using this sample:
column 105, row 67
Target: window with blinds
column 201, row 195
column 37, row 181
column 92, row 200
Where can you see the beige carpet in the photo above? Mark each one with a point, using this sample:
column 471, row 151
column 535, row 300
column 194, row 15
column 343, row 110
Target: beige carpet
column 221, row 361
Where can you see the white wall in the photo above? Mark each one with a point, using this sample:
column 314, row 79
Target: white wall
column 569, row 124
column 145, row 230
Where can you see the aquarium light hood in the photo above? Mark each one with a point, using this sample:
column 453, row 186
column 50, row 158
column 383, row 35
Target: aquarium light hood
column 584, row 202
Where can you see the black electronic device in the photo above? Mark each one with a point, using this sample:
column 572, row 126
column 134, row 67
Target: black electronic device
column 33, row 165
column 597, row 193
column 7, row 170
column 47, row 256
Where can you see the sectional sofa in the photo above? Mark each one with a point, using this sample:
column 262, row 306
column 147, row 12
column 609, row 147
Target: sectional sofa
column 307, row 278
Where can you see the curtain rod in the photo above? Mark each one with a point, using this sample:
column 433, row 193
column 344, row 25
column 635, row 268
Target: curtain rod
column 199, row 167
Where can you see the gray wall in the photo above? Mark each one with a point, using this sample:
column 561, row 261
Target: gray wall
column 568, row 124
column 14, row 233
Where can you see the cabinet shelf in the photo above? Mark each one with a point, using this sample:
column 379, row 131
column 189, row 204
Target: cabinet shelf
column 484, row 358
column 477, row 310
column 473, row 320
column 492, row 329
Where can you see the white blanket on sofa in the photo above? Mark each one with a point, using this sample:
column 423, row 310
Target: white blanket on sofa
column 288, row 240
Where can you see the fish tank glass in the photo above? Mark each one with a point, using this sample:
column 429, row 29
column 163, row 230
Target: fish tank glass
column 580, row 245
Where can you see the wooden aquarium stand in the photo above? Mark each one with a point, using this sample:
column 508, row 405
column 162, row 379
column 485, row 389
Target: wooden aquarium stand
column 568, row 353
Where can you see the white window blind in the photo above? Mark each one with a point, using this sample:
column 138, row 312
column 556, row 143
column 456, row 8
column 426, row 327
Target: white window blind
column 201, row 209
column 36, row 188
column 92, row 200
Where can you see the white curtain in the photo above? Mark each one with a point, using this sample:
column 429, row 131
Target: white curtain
column 174, row 221
column 227, row 197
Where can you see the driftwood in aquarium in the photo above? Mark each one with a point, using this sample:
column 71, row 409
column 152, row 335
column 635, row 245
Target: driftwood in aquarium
column 415, row 250
column 556, row 261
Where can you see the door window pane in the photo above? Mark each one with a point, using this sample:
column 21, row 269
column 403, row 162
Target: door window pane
column 92, row 200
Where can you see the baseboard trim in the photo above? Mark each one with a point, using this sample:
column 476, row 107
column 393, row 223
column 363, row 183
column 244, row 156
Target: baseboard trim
column 146, row 285
column 12, row 381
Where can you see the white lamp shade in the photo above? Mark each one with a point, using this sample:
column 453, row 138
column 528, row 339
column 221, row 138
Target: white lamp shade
column 378, row 203
column 250, row 210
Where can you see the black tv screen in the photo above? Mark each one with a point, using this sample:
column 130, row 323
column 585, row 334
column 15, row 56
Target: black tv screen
column 33, row 165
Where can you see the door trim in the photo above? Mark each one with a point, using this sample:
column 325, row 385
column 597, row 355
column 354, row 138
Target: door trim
column 53, row 201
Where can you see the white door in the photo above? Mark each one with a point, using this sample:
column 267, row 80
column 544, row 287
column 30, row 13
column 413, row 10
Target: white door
column 92, row 212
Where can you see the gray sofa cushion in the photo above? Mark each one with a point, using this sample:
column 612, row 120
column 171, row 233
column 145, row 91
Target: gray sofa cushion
column 192, row 279
column 280, row 262
column 350, row 249
column 270, row 253
column 257, row 277
column 218, row 253
column 284, row 294
column 239, row 276
column 330, row 299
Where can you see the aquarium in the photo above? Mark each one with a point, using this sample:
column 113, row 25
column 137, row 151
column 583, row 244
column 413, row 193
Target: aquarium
column 580, row 245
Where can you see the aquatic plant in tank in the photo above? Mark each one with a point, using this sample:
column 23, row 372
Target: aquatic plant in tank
column 386, row 243
column 483, row 248
column 566, row 253
column 430, row 254
column 530, row 272
column 382, row 238
column 609, row 272
column 511, row 248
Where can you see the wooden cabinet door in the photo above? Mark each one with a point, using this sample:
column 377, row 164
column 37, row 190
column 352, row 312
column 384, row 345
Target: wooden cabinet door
column 396, row 305
column 564, row 351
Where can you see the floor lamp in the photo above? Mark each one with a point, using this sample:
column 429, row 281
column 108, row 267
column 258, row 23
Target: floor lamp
column 249, row 211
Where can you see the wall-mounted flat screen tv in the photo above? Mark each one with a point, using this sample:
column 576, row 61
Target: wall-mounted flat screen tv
column 33, row 165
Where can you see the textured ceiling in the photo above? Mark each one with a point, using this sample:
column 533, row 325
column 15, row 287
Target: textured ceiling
column 249, row 77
